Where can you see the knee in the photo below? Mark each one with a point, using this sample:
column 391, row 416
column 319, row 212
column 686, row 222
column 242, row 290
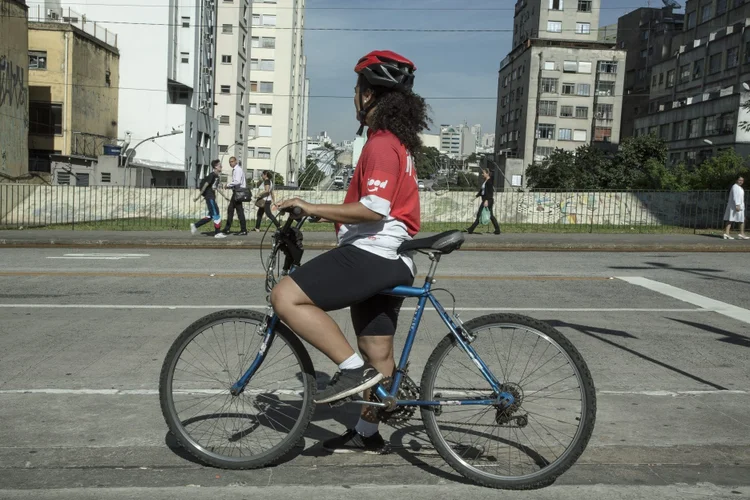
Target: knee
column 376, row 349
column 285, row 296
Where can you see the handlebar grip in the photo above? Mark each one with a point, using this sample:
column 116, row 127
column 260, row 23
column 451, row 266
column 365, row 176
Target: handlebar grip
column 295, row 211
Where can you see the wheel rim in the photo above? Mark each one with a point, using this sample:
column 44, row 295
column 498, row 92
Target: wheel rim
column 535, row 445
column 222, row 426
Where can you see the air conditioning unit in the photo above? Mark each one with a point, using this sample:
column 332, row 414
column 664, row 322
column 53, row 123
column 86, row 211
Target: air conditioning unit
column 52, row 14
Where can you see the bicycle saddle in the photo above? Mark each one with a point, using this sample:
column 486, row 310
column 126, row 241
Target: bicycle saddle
column 444, row 243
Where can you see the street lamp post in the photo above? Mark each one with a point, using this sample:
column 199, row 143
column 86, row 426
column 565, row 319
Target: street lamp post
column 152, row 138
column 279, row 151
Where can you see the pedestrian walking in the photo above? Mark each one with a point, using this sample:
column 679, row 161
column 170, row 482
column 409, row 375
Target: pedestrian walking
column 487, row 193
column 238, row 185
column 208, row 187
column 735, row 211
column 265, row 199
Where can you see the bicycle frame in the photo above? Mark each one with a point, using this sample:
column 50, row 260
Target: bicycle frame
column 424, row 294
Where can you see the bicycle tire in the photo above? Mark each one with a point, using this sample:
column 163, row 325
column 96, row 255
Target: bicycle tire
column 306, row 375
column 547, row 474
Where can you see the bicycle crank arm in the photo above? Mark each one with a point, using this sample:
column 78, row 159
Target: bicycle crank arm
column 357, row 400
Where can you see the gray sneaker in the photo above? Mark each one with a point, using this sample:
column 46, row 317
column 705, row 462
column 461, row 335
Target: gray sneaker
column 348, row 382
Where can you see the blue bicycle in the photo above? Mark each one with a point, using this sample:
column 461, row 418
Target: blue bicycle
column 237, row 386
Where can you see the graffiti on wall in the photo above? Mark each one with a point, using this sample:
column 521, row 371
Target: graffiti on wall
column 13, row 90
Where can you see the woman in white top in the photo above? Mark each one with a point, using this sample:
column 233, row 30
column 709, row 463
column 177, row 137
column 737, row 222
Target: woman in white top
column 265, row 199
column 736, row 210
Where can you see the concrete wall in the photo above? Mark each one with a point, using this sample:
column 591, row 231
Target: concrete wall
column 14, row 90
column 52, row 84
column 64, row 204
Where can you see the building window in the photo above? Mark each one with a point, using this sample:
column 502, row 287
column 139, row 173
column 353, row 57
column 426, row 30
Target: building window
column 644, row 53
column 225, row 59
column 269, row 19
column 226, row 89
column 544, row 151
column 706, row 13
column 670, row 78
column 690, row 157
column 603, row 134
column 223, row 148
column 721, row 7
column 268, row 42
column 694, row 128
column 549, row 85
column 63, row 178
column 685, row 73
column 252, row 109
column 580, row 135
column 545, row 131
column 691, row 20
column 712, row 125
column 264, row 131
column 661, row 79
column 642, row 74
column 644, row 35
column 698, row 69
column 568, row 88
column 45, row 118
column 266, row 87
column 566, row 111
column 605, row 111
column 253, row 86
column 582, row 112
column 554, row 26
column 550, row 66
column 185, row 22
column 584, row 67
column 224, row 119
column 565, row 134
column 664, row 131
column 256, row 19
column 727, row 123
column 38, row 59
column 714, row 63
column 570, row 66
column 251, row 152
column 547, row 108
column 267, row 64
column 584, row 5
column 253, row 64
column 184, row 57
column 266, row 109
column 583, row 28
column 106, row 177
column 264, row 153
column 584, row 89
column 733, row 57
column 556, row 4
column 226, row 29
column 516, row 180
column 678, row 131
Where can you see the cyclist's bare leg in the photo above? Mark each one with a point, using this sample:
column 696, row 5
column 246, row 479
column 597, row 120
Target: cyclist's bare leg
column 308, row 321
column 378, row 351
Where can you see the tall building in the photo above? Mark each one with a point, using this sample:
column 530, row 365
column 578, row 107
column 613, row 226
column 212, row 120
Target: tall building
column 73, row 95
column 167, row 57
column 559, row 87
column 459, row 141
column 645, row 34
column 278, row 89
column 14, row 105
column 232, row 82
column 696, row 94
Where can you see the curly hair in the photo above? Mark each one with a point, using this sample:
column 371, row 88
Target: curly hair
column 401, row 112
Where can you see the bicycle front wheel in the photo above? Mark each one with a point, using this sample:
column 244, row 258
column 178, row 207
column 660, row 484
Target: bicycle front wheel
column 530, row 443
column 249, row 430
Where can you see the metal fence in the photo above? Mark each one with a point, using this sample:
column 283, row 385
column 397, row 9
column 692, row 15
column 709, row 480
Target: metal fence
column 123, row 207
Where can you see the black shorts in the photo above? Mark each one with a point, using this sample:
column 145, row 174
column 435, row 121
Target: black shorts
column 351, row 277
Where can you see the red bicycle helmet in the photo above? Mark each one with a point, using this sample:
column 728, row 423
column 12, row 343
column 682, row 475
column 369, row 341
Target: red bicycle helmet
column 384, row 68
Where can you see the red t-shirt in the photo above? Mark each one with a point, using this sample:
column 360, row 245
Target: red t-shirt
column 385, row 181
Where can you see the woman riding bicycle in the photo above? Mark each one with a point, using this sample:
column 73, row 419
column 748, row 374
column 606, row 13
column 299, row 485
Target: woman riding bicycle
column 380, row 211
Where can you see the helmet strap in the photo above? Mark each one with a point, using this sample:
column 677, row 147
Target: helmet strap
column 364, row 110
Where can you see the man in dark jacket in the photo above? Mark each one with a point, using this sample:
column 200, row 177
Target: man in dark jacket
column 487, row 192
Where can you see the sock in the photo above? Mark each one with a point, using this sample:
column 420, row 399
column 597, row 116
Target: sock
column 352, row 362
column 365, row 428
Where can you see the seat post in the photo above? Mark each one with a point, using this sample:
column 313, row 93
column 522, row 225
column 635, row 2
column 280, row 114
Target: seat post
column 435, row 258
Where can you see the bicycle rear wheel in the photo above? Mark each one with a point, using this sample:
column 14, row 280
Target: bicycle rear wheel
column 254, row 428
column 535, row 440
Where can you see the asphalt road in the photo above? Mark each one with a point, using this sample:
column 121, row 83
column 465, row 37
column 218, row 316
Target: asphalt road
column 84, row 332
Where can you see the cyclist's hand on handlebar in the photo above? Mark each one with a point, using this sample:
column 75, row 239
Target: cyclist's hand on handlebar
column 287, row 205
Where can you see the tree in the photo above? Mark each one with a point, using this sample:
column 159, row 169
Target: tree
column 278, row 179
column 635, row 157
column 426, row 160
column 312, row 175
column 585, row 169
column 718, row 172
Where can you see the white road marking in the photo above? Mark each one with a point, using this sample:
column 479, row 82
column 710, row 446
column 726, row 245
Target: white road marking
column 428, row 309
column 155, row 392
column 101, row 256
column 716, row 306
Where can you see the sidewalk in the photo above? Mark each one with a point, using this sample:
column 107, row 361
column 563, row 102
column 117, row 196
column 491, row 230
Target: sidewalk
column 320, row 240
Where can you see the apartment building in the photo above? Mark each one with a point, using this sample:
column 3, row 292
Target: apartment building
column 73, row 95
column 459, row 141
column 166, row 87
column 696, row 95
column 645, row 34
column 278, row 89
column 559, row 87
column 14, row 107
column 232, row 79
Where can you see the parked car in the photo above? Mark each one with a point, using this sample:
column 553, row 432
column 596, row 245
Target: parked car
column 338, row 182
column 420, row 184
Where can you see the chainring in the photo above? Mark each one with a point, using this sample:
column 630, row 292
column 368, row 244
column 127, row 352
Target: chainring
column 407, row 390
